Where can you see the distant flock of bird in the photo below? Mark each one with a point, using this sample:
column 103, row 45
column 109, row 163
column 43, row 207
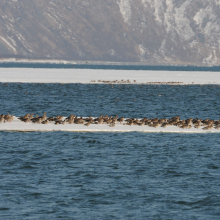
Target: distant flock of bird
column 130, row 82
column 111, row 121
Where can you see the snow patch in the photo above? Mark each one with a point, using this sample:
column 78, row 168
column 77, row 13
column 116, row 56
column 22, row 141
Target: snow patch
column 212, row 59
column 183, row 23
column 193, row 43
column 112, row 52
column 142, row 50
column 168, row 16
column 174, row 19
column 9, row 45
column 204, row 13
column 125, row 9
column 163, row 48
column 24, row 42
column 13, row 41
column 217, row 2
column 157, row 6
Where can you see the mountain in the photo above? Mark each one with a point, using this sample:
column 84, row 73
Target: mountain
column 174, row 32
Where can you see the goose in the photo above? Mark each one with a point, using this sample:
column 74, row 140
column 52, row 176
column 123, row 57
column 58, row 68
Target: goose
column 100, row 121
column 87, row 124
column 44, row 117
column 142, row 123
column 2, row 118
column 26, row 120
column 209, row 127
column 164, row 125
column 112, row 124
column 45, row 122
column 7, row 117
column 197, row 126
column 130, row 123
column 24, row 117
column 217, row 127
column 96, row 119
column 184, row 126
column 121, row 120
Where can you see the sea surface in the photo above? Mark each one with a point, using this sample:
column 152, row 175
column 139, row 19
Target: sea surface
column 67, row 175
column 87, row 65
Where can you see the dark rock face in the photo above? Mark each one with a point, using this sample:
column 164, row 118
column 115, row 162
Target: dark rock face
column 149, row 31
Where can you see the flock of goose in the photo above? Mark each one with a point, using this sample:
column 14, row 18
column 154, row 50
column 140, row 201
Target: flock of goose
column 6, row 118
column 206, row 124
column 132, row 82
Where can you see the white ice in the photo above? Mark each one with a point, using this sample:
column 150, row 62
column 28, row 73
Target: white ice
column 27, row 75
column 19, row 126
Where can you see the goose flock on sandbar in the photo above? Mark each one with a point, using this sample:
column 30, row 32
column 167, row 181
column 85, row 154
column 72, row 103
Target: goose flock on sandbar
column 112, row 121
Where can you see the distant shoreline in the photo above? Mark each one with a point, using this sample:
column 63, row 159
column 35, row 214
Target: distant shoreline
column 59, row 61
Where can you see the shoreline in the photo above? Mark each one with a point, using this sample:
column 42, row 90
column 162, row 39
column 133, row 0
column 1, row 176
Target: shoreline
column 60, row 61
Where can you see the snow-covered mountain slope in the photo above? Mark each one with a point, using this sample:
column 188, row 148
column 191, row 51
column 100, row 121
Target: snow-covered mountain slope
column 150, row 31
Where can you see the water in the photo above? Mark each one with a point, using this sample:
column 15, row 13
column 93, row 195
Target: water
column 63, row 175
column 108, row 66
column 137, row 101
column 109, row 176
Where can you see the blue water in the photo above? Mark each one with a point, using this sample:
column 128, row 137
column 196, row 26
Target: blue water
column 62, row 175
column 107, row 66
column 151, row 101
column 109, row 176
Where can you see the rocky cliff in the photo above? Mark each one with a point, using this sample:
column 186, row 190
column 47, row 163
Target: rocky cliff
column 150, row 31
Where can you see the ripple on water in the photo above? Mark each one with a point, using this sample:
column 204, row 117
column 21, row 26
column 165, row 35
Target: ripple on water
column 109, row 175
column 133, row 101
column 105, row 175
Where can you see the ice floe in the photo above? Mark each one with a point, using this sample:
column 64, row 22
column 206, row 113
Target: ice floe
column 28, row 75
column 19, row 126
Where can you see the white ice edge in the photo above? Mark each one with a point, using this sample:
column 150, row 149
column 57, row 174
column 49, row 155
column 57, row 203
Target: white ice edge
column 86, row 76
column 18, row 126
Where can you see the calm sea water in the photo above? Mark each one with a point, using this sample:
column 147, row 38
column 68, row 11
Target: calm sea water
column 107, row 66
column 62, row 175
